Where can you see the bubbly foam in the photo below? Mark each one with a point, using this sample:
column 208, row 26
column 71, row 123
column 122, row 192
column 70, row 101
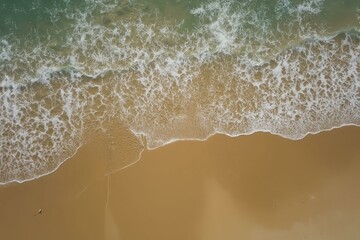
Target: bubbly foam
column 237, row 70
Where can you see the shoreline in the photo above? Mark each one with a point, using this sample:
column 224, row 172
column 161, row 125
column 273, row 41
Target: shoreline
column 139, row 136
column 261, row 184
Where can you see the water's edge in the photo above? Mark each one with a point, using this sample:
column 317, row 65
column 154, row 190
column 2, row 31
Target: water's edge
column 177, row 140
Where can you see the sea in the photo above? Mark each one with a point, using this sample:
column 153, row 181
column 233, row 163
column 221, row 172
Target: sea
column 168, row 70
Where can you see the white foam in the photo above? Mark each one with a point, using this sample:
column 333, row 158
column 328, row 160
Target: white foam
column 309, row 6
column 5, row 53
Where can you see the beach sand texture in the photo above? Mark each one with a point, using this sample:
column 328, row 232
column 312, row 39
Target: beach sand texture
column 251, row 187
column 180, row 119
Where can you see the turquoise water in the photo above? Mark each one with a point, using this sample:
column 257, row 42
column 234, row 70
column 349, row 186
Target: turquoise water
column 170, row 70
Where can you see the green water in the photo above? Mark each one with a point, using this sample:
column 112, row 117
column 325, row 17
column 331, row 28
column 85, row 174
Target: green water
column 24, row 17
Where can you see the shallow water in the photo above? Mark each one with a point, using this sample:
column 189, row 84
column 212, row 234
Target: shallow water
column 169, row 70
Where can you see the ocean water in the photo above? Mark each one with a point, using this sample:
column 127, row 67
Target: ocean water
column 170, row 70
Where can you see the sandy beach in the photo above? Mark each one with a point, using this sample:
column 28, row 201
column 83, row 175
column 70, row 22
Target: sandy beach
column 101, row 103
column 250, row 187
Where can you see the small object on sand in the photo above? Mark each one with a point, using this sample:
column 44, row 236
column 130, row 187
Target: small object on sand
column 40, row 211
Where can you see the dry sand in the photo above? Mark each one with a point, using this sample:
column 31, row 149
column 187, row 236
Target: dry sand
column 259, row 187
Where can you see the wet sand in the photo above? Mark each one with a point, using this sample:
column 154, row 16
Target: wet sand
column 251, row 187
